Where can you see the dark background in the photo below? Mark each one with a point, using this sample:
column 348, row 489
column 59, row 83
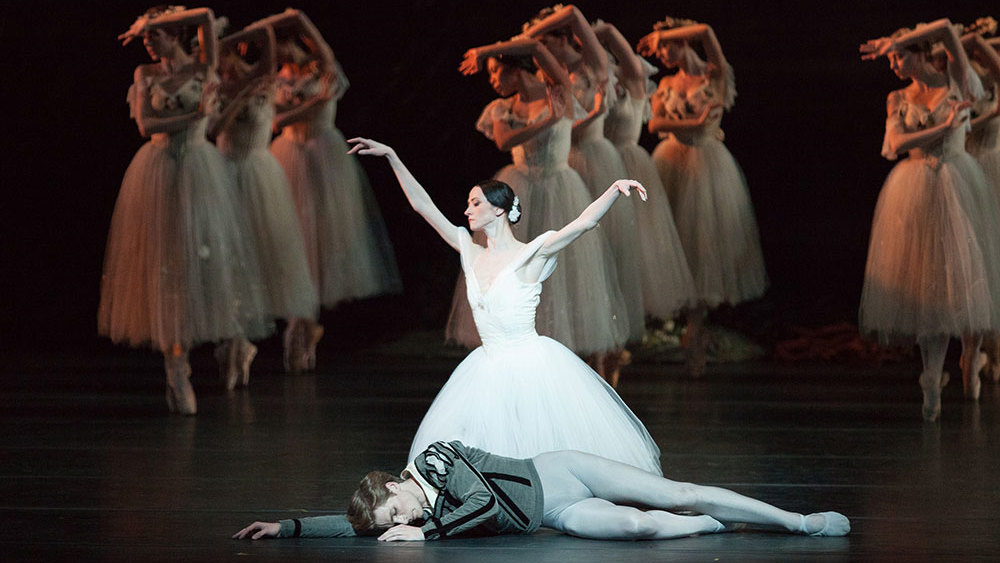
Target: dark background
column 807, row 129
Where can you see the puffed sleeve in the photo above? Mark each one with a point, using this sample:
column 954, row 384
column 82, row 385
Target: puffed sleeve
column 497, row 110
column 450, row 473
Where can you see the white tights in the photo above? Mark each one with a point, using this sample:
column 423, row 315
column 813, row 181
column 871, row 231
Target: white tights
column 584, row 495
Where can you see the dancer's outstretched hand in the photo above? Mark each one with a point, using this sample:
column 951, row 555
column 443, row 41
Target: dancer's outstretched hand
column 402, row 532
column 875, row 48
column 471, row 63
column 369, row 147
column 626, row 186
column 258, row 530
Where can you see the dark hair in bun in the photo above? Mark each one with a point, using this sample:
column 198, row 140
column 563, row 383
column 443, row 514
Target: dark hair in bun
column 500, row 195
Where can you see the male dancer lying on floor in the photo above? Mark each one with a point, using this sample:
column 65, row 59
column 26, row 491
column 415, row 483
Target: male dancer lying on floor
column 452, row 488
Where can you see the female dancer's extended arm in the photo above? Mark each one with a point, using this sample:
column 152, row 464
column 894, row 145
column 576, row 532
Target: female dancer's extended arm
column 696, row 33
column 415, row 193
column 591, row 50
column 585, row 222
column 941, row 31
column 559, row 90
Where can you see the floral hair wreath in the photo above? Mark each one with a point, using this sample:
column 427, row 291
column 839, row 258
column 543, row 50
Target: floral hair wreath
column 671, row 23
column 515, row 211
column 140, row 23
column 541, row 15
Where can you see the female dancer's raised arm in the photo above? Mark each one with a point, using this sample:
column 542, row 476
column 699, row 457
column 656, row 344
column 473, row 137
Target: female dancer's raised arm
column 590, row 217
column 418, row 197
column 558, row 91
column 244, row 84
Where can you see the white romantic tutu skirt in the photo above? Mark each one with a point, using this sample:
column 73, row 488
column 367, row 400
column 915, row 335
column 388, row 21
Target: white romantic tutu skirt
column 667, row 285
column 598, row 162
column 533, row 396
column 347, row 245
column 582, row 306
column 932, row 267
column 714, row 218
column 273, row 230
column 176, row 268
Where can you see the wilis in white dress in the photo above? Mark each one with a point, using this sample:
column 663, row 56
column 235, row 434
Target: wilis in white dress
column 520, row 394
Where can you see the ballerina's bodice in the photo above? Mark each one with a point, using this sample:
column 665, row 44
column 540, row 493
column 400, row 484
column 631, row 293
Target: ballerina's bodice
column 505, row 311
column 548, row 150
column 294, row 91
column 624, row 123
column 909, row 117
column 584, row 89
column 690, row 102
column 168, row 99
column 251, row 129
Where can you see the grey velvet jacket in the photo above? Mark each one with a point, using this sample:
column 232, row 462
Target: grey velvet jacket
column 478, row 492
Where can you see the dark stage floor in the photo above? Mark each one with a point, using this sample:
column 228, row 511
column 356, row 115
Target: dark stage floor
column 93, row 467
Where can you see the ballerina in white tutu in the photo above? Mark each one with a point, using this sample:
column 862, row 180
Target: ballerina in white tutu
column 347, row 245
column 932, row 270
column 243, row 135
column 983, row 143
column 582, row 306
column 567, row 34
column 177, row 271
column 667, row 285
column 709, row 196
column 520, row 394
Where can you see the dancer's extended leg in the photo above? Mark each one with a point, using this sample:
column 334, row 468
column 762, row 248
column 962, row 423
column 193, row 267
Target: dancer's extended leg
column 570, row 477
column 600, row 519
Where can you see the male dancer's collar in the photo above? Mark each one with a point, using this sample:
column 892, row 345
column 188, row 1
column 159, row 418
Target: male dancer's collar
column 429, row 491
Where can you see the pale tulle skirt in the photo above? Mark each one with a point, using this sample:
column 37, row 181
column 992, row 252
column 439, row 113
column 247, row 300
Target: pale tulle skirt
column 176, row 269
column 581, row 303
column 348, row 248
column 667, row 285
column 599, row 164
column 535, row 396
column 714, row 218
column 274, row 232
column 932, row 265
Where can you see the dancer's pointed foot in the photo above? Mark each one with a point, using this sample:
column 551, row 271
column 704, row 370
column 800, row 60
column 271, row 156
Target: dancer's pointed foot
column 180, row 394
column 824, row 524
column 970, row 374
column 245, row 355
column 932, row 383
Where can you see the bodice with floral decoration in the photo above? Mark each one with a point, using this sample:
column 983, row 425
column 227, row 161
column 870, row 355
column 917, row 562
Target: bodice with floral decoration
column 505, row 311
column 690, row 102
column 250, row 130
column 170, row 96
column 296, row 88
column 548, row 150
column 907, row 116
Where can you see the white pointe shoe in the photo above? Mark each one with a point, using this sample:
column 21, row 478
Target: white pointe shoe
column 834, row 524
column 932, row 383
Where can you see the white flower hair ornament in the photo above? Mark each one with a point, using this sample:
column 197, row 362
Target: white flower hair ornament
column 515, row 211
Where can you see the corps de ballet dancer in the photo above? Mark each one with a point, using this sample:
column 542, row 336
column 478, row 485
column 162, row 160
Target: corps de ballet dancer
column 177, row 271
column 932, row 271
column 243, row 134
column 567, row 34
column 347, row 246
column 667, row 284
column 582, row 307
column 451, row 489
column 708, row 194
column 983, row 143
column 520, row 394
